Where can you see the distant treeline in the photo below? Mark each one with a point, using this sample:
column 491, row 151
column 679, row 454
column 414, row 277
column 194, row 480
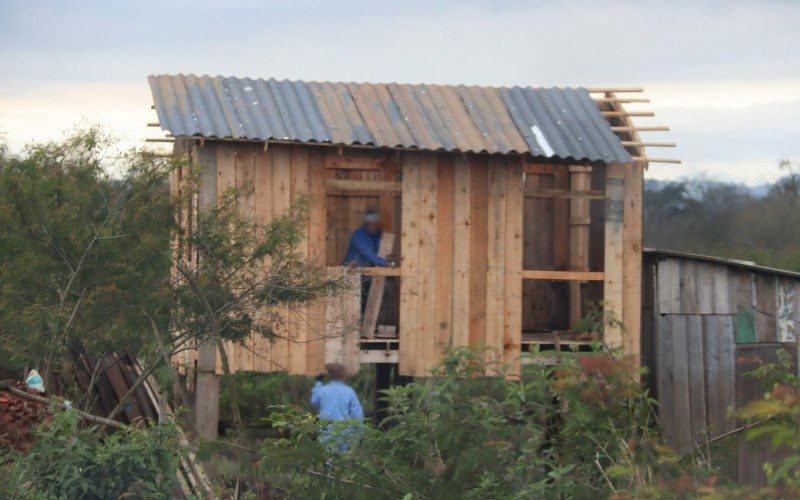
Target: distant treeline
column 727, row 219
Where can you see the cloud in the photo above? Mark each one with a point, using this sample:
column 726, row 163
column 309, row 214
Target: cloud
column 723, row 75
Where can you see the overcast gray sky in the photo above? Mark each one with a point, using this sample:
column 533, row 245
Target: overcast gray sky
column 724, row 75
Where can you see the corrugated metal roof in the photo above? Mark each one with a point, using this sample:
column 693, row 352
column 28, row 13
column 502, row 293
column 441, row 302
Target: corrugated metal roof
column 549, row 123
column 742, row 264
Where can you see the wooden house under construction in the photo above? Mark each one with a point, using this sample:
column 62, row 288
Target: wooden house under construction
column 513, row 210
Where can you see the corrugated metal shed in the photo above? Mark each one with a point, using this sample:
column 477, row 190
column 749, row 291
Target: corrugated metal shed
column 548, row 123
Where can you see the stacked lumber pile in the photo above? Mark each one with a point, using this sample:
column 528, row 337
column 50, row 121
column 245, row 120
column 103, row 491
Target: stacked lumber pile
column 19, row 417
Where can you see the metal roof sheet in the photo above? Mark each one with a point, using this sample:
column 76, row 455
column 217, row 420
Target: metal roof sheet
column 736, row 263
column 549, row 123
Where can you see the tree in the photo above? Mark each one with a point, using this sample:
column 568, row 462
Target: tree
column 86, row 261
column 82, row 252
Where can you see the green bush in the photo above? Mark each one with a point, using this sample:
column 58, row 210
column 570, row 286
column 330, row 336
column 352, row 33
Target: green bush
column 71, row 461
column 258, row 393
column 570, row 430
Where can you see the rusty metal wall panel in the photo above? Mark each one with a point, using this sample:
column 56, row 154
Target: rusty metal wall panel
column 562, row 124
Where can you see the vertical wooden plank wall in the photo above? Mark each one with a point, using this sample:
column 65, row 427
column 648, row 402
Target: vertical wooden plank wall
column 461, row 258
column 713, row 323
column 695, row 359
column 463, row 240
column 271, row 181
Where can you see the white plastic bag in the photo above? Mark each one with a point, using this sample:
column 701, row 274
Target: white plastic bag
column 34, row 381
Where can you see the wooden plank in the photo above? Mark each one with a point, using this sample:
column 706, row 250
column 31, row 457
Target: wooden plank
column 727, row 361
column 242, row 353
column 226, row 182
column 704, row 281
column 579, row 220
column 681, row 384
column 722, row 291
column 697, row 395
column 315, row 351
column 766, row 324
column 461, row 252
column 561, row 220
column 512, row 331
column 206, row 160
column 262, row 191
column 632, row 260
column 426, row 349
column 386, row 201
column 745, row 289
column 669, row 293
column 379, row 271
column 479, row 238
column 496, row 264
column 797, row 307
column 785, row 309
column 281, row 200
column 564, row 193
column 409, row 264
column 614, row 251
column 714, row 382
column 537, row 254
column 530, row 274
column 445, row 222
column 539, row 169
column 688, row 287
column 342, row 314
column 350, row 161
column 664, row 387
column 297, row 316
column 355, row 185
column 375, row 298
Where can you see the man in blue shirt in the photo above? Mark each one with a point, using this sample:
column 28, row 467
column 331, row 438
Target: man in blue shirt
column 363, row 251
column 336, row 402
column 364, row 243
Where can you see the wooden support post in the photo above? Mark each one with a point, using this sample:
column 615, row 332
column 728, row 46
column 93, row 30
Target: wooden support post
column 375, row 298
column 207, row 381
column 614, row 246
column 632, row 260
column 579, row 220
column 206, row 411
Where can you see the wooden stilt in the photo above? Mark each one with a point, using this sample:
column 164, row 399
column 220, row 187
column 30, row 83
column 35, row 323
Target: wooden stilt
column 206, row 409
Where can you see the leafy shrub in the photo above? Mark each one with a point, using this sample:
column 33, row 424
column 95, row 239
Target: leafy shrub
column 68, row 461
column 775, row 419
column 259, row 392
column 581, row 428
